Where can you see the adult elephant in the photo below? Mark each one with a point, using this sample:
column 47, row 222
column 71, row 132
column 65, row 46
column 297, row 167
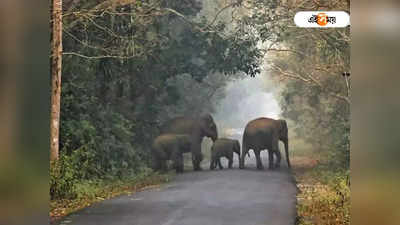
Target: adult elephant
column 197, row 128
column 264, row 133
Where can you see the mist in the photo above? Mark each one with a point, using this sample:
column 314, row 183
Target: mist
column 245, row 99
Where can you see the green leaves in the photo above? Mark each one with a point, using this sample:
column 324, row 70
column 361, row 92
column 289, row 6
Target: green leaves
column 126, row 70
column 308, row 64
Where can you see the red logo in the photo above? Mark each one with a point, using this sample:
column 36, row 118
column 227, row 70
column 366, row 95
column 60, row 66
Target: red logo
column 322, row 19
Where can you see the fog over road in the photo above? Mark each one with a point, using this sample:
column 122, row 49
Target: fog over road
column 219, row 197
column 245, row 100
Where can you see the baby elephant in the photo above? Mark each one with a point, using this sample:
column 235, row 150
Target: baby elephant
column 223, row 147
column 170, row 147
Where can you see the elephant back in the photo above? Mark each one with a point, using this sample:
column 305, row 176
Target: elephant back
column 199, row 127
column 259, row 125
column 179, row 125
column 223, row 144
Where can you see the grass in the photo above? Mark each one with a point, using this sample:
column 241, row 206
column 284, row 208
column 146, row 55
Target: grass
column 324, row 196
column 89, row 192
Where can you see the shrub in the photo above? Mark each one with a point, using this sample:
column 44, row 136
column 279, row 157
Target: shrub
column 62, row 178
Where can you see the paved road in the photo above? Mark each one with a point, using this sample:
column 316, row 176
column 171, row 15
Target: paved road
column 221, row 197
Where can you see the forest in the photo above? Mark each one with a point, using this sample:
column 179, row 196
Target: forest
column 128, row 66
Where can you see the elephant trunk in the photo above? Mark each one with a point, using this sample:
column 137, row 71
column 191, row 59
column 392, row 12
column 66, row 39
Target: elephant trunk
column 287, row 152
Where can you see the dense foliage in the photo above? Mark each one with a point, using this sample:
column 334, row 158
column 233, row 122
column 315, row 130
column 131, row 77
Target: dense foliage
column 128, row 66
column 308, row 65
column 314, row 96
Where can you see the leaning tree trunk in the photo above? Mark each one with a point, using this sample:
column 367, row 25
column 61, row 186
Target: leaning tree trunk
column 56, row 56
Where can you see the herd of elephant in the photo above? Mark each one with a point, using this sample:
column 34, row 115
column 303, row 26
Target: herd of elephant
column 185, row 134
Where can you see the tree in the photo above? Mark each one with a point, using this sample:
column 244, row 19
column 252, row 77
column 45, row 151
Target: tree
column 308, row 64
column 130, row 65
column 56, row 57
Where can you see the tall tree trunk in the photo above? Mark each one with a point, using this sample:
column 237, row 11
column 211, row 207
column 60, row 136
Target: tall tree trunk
column 56, row 48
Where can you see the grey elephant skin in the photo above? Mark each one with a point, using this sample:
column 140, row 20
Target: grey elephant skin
column 197, row 128
column 264, row 134
column 170, row 146
column 224, row 147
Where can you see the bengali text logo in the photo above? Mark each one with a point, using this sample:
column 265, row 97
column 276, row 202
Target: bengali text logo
column 322, row 19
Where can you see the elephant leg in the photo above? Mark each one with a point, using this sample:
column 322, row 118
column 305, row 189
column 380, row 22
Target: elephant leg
column 242, row 158
column 275, row 150
column 159, row 159
column 219, row 163
column 270, row 159
column 197, row 156
column 160, row 164
column 179, row 163
column 196, row 160
column 229, row 156
column 199, row 162
column 258, row 159
column 155, row 163
column 163, row 165
column 278, row 158
column 230, row 162
column 212, row 163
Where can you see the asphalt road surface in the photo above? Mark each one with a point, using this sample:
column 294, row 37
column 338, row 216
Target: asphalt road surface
column 219, row 197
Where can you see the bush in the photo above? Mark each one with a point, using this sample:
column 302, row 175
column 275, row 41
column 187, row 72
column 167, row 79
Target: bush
column 62, row 178
column 70, row 170
column 324, row 199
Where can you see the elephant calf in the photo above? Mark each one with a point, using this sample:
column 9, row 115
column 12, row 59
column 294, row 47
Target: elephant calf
column 170, row 147
column 223, row 147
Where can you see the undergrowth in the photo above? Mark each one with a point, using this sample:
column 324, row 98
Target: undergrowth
column 324, row 194
column 70, row 195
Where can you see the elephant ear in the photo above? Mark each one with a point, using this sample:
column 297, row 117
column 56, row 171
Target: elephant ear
column 208, row 121
column 207, row 117
column 208, row 126
column 187, row 142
